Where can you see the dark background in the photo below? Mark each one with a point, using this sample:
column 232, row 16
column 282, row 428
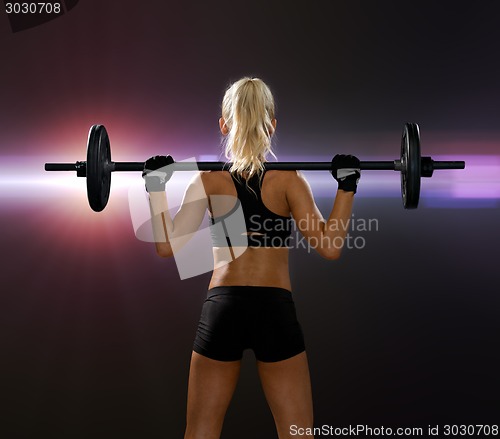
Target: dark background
column 96, row 331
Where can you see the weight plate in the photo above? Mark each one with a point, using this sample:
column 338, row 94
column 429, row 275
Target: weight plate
column 98, row 168
column 410, row 165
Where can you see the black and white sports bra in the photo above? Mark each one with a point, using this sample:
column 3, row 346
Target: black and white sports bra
column 263, row 228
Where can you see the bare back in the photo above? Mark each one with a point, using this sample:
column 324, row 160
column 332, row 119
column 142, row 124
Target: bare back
column 256, row 266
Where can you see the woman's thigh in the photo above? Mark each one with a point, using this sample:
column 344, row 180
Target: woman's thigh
column 211, row 387
column 287, row 387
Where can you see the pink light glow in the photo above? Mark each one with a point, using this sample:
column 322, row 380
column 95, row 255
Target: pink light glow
column 22, row 177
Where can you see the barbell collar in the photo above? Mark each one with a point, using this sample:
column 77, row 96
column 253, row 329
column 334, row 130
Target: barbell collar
column 81, row 169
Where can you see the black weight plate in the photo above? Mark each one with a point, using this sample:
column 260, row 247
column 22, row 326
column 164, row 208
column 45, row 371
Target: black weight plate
column 410, row 165
column 98, row 168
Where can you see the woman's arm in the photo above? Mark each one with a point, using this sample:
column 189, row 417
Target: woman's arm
column 160, row 217
column 327, row 237
column 171, row 234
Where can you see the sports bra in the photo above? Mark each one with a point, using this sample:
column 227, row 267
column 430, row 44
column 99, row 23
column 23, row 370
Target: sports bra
column 263, row 228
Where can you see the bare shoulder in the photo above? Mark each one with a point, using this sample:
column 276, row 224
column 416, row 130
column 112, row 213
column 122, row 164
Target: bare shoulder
column 215, row 181
column 298, row 190
column 282, row 177
column 289, row 180
column 285, row 182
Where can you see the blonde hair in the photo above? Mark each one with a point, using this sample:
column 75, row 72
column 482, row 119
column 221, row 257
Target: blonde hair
column 248, row 111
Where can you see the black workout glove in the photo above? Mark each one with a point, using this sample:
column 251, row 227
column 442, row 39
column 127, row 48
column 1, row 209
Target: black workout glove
column 346, row 170
column 157, row 172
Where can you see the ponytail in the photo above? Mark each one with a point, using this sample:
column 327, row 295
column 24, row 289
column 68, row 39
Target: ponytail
column 248, row 111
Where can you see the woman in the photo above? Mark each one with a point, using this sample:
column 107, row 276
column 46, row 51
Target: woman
column 249, row 303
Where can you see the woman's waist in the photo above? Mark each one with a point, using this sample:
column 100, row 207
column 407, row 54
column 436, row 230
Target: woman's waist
column 251, row 266
column 255, row 258
column 236, row 280
column 251, row 292
column 253, row 239
column 262, row 276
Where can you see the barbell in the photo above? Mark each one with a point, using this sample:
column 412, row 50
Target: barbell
column 98, row 166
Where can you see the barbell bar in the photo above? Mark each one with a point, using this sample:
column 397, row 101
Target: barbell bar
column 99, row 166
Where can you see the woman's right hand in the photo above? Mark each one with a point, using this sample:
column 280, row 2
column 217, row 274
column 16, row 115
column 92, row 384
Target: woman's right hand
column 157, row 172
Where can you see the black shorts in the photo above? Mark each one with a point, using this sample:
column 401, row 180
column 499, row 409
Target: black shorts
column 242, row 317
